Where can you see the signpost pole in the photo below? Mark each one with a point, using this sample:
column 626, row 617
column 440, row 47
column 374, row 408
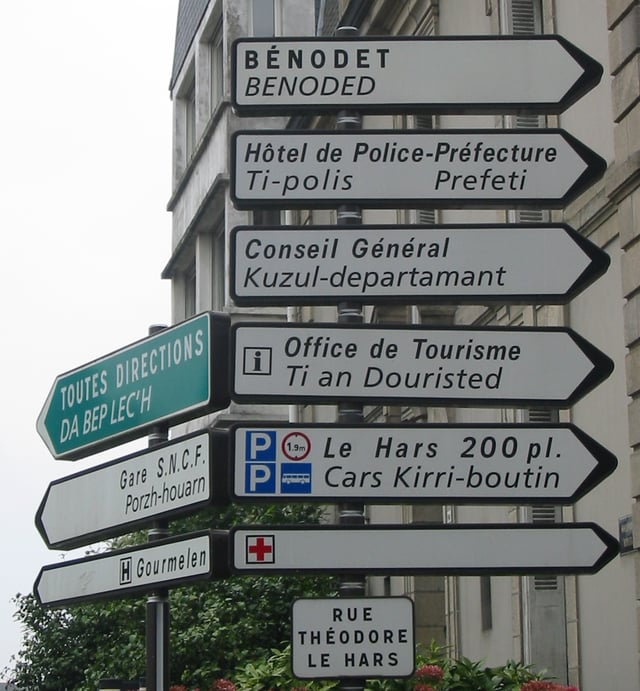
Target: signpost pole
column 157, row 615
column 350, row 513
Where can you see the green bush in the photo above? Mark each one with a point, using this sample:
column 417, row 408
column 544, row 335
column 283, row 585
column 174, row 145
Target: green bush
column 435, row 671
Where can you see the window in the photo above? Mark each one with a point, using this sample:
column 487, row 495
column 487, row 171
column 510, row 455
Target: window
column 424, row 122
column 524, row 17
column 266, row 217
column 189, row 103
column 184, row 122
column 218, row 271
column 545, row 625
column 485, row 603
column 521, row 16
column 190, row 290
column 216, row 67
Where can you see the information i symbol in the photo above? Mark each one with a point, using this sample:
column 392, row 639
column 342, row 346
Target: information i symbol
column 257, row 361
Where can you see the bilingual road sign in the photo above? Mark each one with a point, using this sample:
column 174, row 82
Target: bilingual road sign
column 161, row 564
column 458, row 549
column 543, row 74
column 391, row 168
column 352, row 637
column 412, row 264
column 316, row 363
column 114, row 498
column 172, row 376
column 509, row 463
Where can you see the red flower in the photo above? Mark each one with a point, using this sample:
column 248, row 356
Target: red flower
column 423, row 687
column 223, row 685
column 432, row 672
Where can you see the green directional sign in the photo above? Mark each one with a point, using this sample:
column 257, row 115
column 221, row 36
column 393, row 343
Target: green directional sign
column 172, row 376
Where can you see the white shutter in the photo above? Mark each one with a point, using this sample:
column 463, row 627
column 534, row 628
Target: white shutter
column 424, row 122
column 546, row 621
column 526, row 19
column 525, row 16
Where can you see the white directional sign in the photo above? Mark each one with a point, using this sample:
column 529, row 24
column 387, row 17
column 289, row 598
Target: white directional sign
column 444, row 463
column 164, row 563
column 476, row 548
column 352, row 637
column 126, row 494
column 403, row 74
column 390, row 168
column 304, row 265
column 331, row 363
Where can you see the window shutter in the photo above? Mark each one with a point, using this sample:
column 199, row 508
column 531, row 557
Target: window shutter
column 526, row 20
column 523, row 17
column 422, row 121
column 546, row 620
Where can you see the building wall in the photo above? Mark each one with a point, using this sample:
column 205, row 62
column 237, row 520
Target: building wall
column 624, row 45
column 489, row 618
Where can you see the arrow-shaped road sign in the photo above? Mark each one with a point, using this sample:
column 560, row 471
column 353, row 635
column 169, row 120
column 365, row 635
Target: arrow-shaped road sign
column 328, row 363
column 392, row 168
column 161, row 564
column 452, row 74
column 476, row 264
column 439, row 463
column 114, row 498
column 172, row 376
column 452, row 549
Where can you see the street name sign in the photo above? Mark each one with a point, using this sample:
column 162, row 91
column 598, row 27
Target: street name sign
column 172, row 376
column 509, row 463
column 500, row 74
column 352, row 637
column 302, row 265
column 460, row 549
column 127, row 494
column 418, row 168
column 330, row 363
column 160, row 564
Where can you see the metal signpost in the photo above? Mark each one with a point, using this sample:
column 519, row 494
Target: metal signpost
column 515, row 463
column 412, row 264
column 170, row 480
column 352, row 637
column 498, row 549
column 327, row 363
column 164, row 563
column 175, row 375
column 285, row 75
column 394, row 169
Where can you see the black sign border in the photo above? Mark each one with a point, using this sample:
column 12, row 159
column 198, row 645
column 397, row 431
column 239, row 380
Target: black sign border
column 611, row 549
column 591, row 76
column 130, row 590
column 354, row 602
column 217, row 484
column 596, row 167
column 599, row 263
column 606, row 463
column 602, row 368
column 218, row 391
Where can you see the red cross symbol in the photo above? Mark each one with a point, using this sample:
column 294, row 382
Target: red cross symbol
column 260, row 549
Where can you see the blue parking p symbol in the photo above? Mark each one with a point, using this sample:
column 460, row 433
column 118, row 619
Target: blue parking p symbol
column 260, row 478
column 260, row 461
column 260, row 445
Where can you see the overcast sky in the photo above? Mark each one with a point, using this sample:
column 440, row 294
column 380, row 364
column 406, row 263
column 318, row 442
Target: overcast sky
column 85, row 176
